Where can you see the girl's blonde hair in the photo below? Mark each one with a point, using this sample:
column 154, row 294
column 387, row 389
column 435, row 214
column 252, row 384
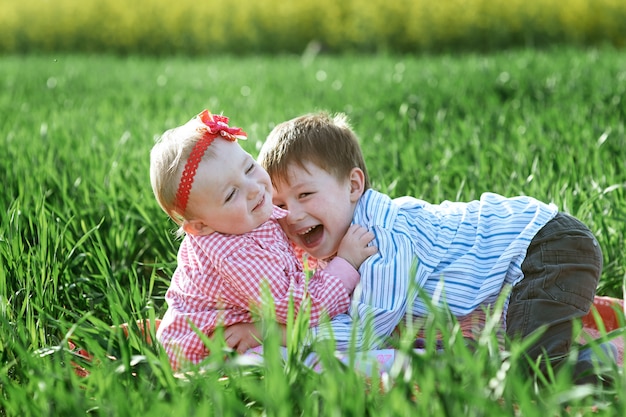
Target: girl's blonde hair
column 319, row 138
column 167, row 161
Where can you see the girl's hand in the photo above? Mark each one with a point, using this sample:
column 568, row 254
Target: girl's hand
column 242, row 336
column 353, row 247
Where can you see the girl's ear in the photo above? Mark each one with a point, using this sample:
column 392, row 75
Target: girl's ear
column 357, row 184
column 196, row 228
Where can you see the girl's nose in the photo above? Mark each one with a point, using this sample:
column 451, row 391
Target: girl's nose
column 254, row 190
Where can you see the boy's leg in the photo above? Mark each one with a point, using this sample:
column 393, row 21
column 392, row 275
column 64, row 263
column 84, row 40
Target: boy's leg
column 561, row 272
column 588, row 359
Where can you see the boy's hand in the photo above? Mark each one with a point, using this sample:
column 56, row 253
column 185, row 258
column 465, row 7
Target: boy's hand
column 242, row 336
column 353, row 247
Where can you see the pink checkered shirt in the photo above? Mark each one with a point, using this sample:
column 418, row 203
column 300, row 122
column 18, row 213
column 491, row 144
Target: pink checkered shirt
column 218, row 280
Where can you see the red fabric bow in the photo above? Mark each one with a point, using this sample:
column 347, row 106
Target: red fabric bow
column 218, row 125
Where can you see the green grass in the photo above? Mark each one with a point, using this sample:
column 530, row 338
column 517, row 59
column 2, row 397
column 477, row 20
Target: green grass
column 84, row 245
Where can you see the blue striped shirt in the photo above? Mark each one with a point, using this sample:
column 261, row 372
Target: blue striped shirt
column 461, row 254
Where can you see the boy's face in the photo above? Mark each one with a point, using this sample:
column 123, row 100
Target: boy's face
column 231, row 193
column 320, row 207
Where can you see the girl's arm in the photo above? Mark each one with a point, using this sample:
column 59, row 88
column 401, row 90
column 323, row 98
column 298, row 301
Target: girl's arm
column 251, row 267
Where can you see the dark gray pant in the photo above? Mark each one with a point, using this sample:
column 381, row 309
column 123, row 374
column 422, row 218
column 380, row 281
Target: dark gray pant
column 561, row 272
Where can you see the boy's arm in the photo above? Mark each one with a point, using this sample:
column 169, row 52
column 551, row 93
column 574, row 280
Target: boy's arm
column 381, row 300
column 381, row 283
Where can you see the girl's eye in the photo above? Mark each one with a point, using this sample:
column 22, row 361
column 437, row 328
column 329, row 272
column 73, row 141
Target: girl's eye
column 303, row 195
column 230, row 196
column 250, row 168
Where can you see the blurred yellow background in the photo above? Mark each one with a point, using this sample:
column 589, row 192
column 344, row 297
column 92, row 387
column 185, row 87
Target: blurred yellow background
column 260, row 26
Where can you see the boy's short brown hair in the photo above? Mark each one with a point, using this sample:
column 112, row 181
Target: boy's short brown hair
column 324, row 140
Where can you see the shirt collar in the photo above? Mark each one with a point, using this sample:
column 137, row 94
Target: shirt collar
column 279, row 213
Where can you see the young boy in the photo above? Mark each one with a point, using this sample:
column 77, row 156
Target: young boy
column 222, row 199
column 466, row 253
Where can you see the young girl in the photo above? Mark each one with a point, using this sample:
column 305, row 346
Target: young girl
column 222, row 199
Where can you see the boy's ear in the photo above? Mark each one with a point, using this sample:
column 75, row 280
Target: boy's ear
column 196, row 228
column 357, row 184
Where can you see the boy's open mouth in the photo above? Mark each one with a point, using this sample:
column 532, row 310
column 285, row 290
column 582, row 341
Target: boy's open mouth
column 312, row 236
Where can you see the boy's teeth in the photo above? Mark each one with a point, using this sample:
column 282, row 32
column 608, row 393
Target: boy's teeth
column 307, row 231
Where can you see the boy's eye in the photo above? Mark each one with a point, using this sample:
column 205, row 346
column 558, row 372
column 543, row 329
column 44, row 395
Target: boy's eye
column 279, row 204
column 250, row 168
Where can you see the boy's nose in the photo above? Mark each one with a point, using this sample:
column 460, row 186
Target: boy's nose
column 295, row 214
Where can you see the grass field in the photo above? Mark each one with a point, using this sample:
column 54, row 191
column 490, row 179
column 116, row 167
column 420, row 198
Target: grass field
column 84, row 245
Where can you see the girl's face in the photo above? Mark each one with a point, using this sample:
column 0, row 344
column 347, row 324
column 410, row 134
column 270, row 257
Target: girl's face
column 231, row 193
column 320, row 207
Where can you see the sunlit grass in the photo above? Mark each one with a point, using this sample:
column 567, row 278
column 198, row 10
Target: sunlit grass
column 84, row 246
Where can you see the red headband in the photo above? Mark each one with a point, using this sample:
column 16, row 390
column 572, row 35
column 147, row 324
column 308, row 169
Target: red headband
column 216, row 126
